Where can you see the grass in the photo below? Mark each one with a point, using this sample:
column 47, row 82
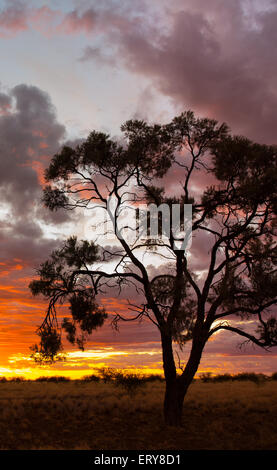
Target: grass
column 93, row 414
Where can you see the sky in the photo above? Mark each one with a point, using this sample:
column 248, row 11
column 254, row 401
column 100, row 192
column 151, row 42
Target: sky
column 69, row 67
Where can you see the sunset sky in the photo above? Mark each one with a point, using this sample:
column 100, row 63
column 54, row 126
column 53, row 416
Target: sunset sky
column 69, row 67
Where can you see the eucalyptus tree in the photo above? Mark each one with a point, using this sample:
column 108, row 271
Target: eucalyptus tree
column 236, row 214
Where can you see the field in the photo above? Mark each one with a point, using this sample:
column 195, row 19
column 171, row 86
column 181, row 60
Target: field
column 98, row 415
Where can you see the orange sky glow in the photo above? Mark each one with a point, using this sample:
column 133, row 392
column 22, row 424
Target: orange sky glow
column 73, row 67
column 134, row 347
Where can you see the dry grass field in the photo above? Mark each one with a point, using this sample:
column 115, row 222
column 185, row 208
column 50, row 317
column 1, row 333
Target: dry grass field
column 89, row 415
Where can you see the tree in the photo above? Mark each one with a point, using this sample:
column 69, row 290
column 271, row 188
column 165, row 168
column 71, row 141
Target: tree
column 236, row 213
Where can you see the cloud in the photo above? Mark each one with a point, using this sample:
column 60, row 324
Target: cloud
column 227, row 74
column 216, row 58
column 13, row 19
column 74, row 22
column 30, row 134
column 19, row 16
column 96, row 54
column 5, row 103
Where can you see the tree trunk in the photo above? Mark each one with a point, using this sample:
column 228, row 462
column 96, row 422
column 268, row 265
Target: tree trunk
column 173, row 400
column 173, row 404
column 176, row 387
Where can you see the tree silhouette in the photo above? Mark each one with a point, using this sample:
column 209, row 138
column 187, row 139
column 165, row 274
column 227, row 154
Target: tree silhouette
column 236, row 213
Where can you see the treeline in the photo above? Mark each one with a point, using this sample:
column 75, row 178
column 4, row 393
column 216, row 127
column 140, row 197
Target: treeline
column 243, row 377
column 130, row 381
column 133, row 380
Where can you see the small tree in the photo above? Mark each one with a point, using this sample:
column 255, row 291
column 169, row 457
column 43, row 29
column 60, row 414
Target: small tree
column 236, row 213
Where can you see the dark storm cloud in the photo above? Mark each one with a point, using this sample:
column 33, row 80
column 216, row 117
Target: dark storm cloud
column 5, row 102
column 29, row 249
column 29, row 136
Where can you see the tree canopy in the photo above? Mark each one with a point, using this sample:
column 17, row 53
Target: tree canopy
column 167, row 164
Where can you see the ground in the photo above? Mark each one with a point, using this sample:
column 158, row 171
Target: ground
column 80, row 415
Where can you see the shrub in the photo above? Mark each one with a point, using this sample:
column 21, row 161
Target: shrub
column 129, row 381
column 242, row 376
column 107, row 374
column 222, row 378
column 54, row 378
column 153, row 378
column 17, row 379
column 263, row 377
column 206, row 377
column 245, row 376
column 90, row 378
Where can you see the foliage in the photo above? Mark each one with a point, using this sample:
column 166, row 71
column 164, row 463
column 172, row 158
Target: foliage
column 58, row 281
column 90, row 378
column 53, row 378
column 206, row 377
column 49, row 347
column 131, row 382
column 241, row 377
column 107, row 374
